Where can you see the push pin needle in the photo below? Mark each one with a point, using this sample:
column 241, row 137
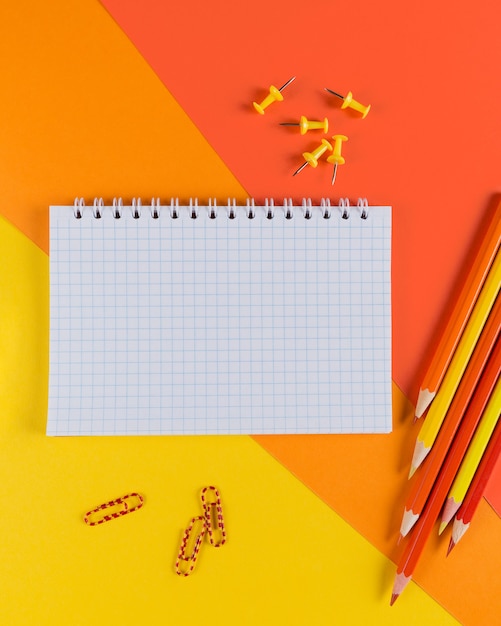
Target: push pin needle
column 349, row 102
column 275, row 95
column 336, row 156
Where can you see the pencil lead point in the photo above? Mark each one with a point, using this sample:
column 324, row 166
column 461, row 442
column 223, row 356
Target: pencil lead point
column 394, row 597
column 442, row 527
column 412, row 471
column 452, row 543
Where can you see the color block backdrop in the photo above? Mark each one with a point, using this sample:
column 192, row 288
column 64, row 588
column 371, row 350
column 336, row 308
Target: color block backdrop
column 129, row 99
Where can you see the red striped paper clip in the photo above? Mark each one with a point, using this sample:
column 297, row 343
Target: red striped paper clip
column 213, row 514
column 126, row 504
column 190, row 546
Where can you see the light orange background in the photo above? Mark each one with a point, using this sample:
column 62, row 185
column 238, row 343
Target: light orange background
column 84, row 114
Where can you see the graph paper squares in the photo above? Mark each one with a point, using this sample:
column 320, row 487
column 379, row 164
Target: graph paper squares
column 219, row 326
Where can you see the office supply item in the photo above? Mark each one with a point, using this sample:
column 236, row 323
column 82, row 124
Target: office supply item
column 187, row 324
column 125, row 504
column 350, row 103
column 305, row 125
column 213, row 514
column 275, row 95
column 336, row 157
column 472, row 458
column 190, row 546
column 424, row 525
column 460, row 312
column 458, row 364
column 476, row 490
column 311, row 158
column 421, row 487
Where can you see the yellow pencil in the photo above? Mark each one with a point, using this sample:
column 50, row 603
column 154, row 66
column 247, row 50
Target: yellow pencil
column 472, row 458
column 452, row 378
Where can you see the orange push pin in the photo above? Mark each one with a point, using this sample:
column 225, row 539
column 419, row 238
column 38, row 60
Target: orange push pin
column 305, row 125
column 311, row 158
column 275, row 95
column 349, row 102
column 336, row 157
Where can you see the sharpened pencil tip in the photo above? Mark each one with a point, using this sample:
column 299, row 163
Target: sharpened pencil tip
column 394, row 597
column 412, row 471
column 442, row 527
column 452, row 543
column 425, row 398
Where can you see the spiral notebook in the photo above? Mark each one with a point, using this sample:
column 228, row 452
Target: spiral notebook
column 189, row 319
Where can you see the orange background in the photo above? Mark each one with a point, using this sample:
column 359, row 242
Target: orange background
column 81, row 116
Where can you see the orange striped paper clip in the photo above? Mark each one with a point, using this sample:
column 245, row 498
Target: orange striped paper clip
column 123, row 504
column 213, row 513
column 190, row 546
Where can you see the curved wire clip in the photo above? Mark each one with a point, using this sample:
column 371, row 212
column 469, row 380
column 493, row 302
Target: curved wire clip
column 213, row 514
column 190, row 546
column 122, row 502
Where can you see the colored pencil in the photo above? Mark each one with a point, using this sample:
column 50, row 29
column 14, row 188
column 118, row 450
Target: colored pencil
column 473, row 457
column 460, row 313
column 464, row 350
column 424, row 525
column 467, row 510
column 421, row 488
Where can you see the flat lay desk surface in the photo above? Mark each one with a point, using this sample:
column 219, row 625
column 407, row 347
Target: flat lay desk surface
column 126, row 99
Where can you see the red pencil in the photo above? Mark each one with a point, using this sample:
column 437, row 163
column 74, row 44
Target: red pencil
column 427, row 519
column 430, row 468
column 476, row 491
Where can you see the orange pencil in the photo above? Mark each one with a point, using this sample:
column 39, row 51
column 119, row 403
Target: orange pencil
column 460, row 313
column 476, row 491
column 427, row 519
column 430, row 468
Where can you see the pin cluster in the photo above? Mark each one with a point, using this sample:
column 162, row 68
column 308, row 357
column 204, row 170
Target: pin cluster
column 331, row 147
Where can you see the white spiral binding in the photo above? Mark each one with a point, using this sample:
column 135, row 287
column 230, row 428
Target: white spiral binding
column 174, row 207
column 136, row 208
column 117, row 208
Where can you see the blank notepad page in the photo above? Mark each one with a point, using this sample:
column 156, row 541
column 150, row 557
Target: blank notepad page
column 213, row 325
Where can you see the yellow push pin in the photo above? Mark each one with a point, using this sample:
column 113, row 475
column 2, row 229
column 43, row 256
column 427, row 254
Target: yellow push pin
column 336, row 157
column 311, row 158
column 306, row 125
column 349, row 102
column 274, row 96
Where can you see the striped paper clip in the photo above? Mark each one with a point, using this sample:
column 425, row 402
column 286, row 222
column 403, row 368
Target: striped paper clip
column 190, row 546
column 123, row 506
column 213, row 514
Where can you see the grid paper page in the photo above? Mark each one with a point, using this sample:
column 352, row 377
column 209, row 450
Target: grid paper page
column 219, row 326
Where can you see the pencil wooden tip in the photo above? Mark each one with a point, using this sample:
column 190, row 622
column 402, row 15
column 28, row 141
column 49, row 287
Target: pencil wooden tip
column 449, row 510
column 424, row 400
column 394, row 597
column 458, row 530
column 408, row 521
column 420, row 454
column 401, row 582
